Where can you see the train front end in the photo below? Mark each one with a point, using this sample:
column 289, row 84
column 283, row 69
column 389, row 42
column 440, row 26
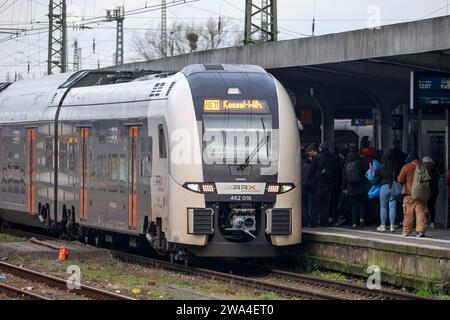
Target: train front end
column 234, row 184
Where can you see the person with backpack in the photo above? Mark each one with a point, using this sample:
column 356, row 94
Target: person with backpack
column 388, row 203
column 354, row 185
column 416, row 192
column 322, row 171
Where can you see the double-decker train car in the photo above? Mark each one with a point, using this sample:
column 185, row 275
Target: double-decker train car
column 204, row 161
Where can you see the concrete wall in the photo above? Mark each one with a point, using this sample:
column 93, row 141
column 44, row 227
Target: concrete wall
column 416, row 267
column 393, row 40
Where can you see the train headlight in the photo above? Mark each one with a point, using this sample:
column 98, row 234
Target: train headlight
column 201, row 187
column 192, row 186
column 279, row 187
column 273, row 188
column 208, row 188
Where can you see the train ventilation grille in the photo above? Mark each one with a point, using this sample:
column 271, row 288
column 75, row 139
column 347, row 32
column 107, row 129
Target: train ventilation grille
column 213, row 67
column 170, row 88
column 203, row 221
column 281, row 221
column 156, row 91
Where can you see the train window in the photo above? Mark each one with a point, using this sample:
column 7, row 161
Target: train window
column 162, row 142
column 146, row 163
column 112, row 135
column 22, row 186
column 16, row 186
column 72, row 153
column 113, row 172
column 49, row 153
column 102, row 172
column 122, row 173
column 63, row 155
column 15, row 137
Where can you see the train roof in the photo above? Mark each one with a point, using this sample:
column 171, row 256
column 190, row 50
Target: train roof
column 32, row 99
column 236, row 68
column 28, row 100
column 36, row 99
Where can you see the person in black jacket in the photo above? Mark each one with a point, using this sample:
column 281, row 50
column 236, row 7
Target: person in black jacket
column 354, row 185
column 308, row 185
column 434, row 188
column 336, row 192
column 322, row 172
column 385, row 177
column 397, row 156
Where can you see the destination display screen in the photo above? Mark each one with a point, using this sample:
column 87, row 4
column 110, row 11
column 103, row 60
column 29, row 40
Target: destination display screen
column 226, row 105
column 432, row 90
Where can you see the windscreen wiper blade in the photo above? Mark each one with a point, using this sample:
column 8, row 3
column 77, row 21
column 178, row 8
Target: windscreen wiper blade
column 261, row 143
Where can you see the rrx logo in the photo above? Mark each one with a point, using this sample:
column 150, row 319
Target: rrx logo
column 244, row 187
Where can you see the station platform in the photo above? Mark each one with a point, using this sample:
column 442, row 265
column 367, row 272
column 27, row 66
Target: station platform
column 410, row 262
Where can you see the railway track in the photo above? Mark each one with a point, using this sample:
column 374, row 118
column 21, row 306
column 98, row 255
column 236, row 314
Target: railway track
column 54, row 287
column 277, row 281
column 339, row 288
column 18, row 293
column 285, row 283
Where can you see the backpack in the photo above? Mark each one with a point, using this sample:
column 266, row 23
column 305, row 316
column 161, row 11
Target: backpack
column 420, row 189
column 352, row 171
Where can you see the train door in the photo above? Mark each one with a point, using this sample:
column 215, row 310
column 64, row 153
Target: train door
column 31, row 170
column 133, row 136
column 84, row 156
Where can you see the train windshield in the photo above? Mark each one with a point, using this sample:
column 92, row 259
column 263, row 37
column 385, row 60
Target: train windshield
column 237, row 138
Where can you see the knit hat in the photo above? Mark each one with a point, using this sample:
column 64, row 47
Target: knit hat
column 427, row 159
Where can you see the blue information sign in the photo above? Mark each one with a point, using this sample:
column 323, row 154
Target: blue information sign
column 431, row 90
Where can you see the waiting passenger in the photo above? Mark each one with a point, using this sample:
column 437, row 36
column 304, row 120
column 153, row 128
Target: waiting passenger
column 398, row 157
column 385, row 176
column 372, row 202
column 434, row 189
column 336, row 193
column 354, row 185
column 413, row 206
column 322, row 170
column 308, row 184
column 448, row 195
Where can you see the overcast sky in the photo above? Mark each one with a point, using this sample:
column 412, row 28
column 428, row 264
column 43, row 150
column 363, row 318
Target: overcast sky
column 294, row 18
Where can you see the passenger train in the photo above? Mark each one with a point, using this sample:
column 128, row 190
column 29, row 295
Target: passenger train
column 204, row 161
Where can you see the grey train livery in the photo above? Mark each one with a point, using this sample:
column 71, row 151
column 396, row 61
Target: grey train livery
column 204, row 161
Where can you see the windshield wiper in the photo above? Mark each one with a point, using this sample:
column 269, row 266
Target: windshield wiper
column 261, row 143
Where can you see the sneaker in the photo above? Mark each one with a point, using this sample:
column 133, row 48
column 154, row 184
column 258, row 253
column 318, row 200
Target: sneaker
column 330, row 220
column 405, row 235
column 354, row 226
column 431, row 226
column 392, row 227
column 339, row 222
column 361, row 223
column 420, row 235
column 381, row 228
